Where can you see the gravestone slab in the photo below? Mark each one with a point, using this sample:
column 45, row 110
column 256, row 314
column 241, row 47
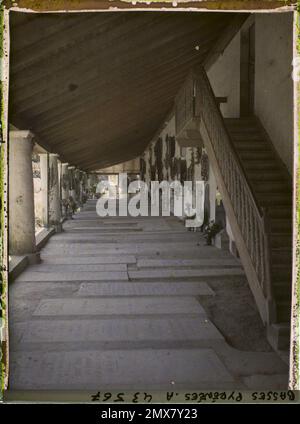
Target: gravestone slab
column 119, row 306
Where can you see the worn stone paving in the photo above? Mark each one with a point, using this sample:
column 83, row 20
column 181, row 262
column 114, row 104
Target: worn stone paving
column 116, row 304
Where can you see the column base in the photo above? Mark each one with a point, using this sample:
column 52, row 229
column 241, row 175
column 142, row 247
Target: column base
column 33, row 258
column 58, row 227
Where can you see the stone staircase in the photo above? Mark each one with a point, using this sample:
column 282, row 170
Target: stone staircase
column 272, row 188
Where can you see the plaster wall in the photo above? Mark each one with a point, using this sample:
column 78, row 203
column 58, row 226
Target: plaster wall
column 224, row 76
column 273, row 81
column 189, row 154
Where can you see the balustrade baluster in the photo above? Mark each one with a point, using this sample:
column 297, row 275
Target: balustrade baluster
column 197, row 92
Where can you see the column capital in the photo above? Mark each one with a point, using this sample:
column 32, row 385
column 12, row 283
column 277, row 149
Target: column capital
column 21, row 135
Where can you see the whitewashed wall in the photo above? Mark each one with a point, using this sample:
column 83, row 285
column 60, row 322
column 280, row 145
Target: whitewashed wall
column 273, row 82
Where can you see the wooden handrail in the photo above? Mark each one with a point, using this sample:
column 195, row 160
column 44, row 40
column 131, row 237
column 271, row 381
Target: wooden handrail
column 202, row 74
column 250, row 217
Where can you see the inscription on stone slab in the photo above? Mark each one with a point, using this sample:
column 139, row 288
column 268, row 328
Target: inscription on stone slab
column 142, row 289
column 119, row 306
column 147, row 369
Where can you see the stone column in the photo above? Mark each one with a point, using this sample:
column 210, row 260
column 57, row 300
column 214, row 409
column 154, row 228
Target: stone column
column 44, row 167
column 64, row 186
column 21, row 196
column 80, row 187
column 54, row 193
column 88, row 181
column 93, row 183
column 72, row 193
column 77, row 175
column 84, row 187
column 65, row 181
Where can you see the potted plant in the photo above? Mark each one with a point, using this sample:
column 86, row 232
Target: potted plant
column 210, row 231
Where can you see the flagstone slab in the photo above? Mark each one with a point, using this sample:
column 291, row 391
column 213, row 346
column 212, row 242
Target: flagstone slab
column 224, row 262
column 46, row 268
column 143, row 289
column 181, row 273
column 73, row 276
column 90, row 259
column 147, row 369
column 119, row 230
column 119, row 306
column 108, row 330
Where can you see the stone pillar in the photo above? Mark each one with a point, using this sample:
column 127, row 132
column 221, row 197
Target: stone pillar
column 77, row 174
column 65, row 181
column 88, row 181
column 72, row 182
column 21, row 196
column 80, row 187
column 84, row 187
column 54, row 193
column 44, row 167
column 93, row 183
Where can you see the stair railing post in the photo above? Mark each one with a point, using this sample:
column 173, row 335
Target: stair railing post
column 271, row 309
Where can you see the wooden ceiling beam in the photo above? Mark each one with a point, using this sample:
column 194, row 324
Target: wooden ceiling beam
column 98, row 96
column 120, row 125
column 87, row 36
column 75, row 109
column 106, row 64
column 102, row 80
column 101, row 41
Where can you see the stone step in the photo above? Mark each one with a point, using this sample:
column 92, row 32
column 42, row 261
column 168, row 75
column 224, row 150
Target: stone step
column 142, row 248
column 73, row 276
column 185, row 288
column 279, row 334
column 195, row 253
column 241, row 124
column 199, row 263
column 280, row 225
column 115, row 330
column 145, row 369
column 282, row 291
column 281, row 254
column 271, row 187
column 54, row 268
column 251, row 145
column 283, row 308
column 99, row 223
column 119, row 306
column 267, row 382
column 86, row 260
column 184, row 273
column 120, row 230
column 281, row 271
column 281, row 212
column 260, row 165
column 254, row 154
column 160, row 236
column 265, row 175
column 195, row 239
column 278, row 199
column 242, row 136
column 280, row 240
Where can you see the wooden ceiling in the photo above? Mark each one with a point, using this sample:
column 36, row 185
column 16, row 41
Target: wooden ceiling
column 95, row 87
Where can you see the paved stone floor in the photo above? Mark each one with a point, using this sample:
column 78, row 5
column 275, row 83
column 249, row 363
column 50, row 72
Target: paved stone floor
column 116, row 303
